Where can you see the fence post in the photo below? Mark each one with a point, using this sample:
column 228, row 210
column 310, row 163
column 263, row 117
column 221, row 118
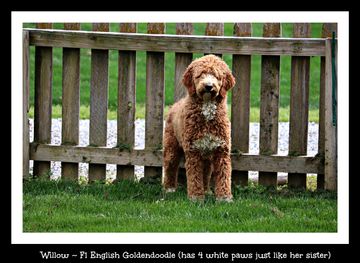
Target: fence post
column 182, row 60
column 269, row 105
column 26, row 88
column 126, row 103
column 240, row 103
column 214, row 29
column 327, row 30
column 43, row 100
column 70, row 103
column 330, row 131
column 98, row 102
column 154, row 123
column 299, row 106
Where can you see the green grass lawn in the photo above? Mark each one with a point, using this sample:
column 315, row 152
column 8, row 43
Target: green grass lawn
column 125, row 206
column 199, row 29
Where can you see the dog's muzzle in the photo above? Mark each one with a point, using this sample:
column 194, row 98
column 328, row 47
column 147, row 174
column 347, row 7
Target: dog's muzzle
column 208, row 88
column 208, row 93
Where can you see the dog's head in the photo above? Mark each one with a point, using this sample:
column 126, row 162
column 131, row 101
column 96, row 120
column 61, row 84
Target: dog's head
column 208, row 77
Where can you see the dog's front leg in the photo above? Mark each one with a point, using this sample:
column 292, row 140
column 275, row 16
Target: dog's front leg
column 222, row 174
column 194, row 166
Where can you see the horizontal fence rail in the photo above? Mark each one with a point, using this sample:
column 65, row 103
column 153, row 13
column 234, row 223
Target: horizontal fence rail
column 242, row 46
column 178, row 43
column 103, row 155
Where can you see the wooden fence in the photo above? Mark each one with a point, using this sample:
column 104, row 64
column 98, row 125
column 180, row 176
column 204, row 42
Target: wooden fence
column 241, row 46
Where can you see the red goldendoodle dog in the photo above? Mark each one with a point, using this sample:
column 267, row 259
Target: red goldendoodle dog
column 197, row 127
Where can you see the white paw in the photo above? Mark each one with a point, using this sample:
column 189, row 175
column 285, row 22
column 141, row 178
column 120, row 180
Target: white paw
column 170, row 190
column 226, row 199
column 197, row 199
column 209, row 192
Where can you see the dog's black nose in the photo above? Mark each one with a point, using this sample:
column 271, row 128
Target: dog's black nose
column 208, row 88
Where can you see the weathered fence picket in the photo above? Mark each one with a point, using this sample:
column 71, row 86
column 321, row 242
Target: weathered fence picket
column 127, row 42
column 269, row 104
column 330, row 131
column 155, row 87
column 182, row 60
column 240, row 103
column 299, row 106
column 214, row 29
column 43, row 100
column 126, row 103
column 70, row 103
column 98, row 102
column 327, row 29
column 26, row 92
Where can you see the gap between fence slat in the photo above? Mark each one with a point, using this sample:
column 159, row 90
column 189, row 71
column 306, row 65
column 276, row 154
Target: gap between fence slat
column 155, row 67
column 240, row 103
column 299, row 105
column 126, row 103
column 269, row 105
column 98, row 102
column 43, row 100
column 70, row 103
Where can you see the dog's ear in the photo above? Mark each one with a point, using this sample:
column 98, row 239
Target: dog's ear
column 188, row 80
column 228, row 83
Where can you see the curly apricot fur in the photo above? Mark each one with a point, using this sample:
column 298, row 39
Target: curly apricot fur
column 204, row 142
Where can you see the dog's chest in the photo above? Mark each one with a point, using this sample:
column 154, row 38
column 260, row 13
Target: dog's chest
column 208, row 110
column 209, row 141
column 208, row 144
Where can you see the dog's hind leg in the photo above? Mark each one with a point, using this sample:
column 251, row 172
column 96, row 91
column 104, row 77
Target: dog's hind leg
column 171, row 159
